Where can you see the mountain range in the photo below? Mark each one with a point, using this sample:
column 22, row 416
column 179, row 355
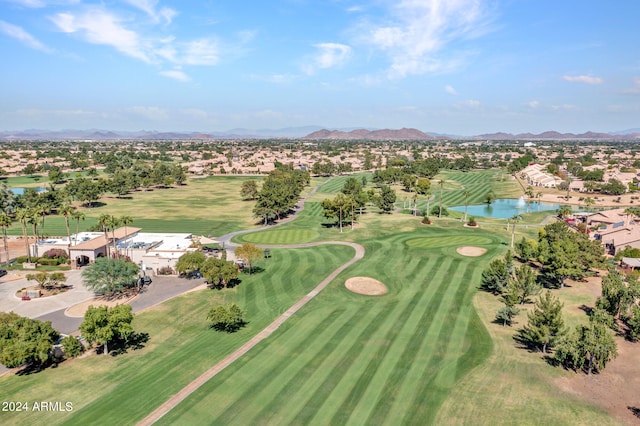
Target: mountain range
column 305, row 132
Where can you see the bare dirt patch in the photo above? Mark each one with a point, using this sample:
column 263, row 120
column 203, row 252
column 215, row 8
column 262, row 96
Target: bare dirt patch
column 471, row 251
column 78, row 311
column 615, row 389
column 365, row 285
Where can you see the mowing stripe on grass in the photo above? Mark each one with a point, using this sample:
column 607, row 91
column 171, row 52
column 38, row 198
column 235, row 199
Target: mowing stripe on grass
column 398, row 373
column 395, row 337
column 270, row 376
column 428, row 397
column 345, row 411
column 313, row 403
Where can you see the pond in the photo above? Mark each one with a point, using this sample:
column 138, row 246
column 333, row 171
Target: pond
column 504, row 208
column 20, row 191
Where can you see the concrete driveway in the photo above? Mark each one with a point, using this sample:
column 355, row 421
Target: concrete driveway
column 40, row 306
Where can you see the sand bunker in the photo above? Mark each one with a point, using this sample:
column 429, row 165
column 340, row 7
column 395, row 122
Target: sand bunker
column 471, row 251
column 365, row 285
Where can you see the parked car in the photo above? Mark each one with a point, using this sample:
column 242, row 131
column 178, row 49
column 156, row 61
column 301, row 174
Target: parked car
column 3, row 272
column 146, row 280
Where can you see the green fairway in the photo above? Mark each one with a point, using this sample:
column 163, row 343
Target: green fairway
column 205, row 206
column 353, row 359
column 126, row 388
column 426, row 352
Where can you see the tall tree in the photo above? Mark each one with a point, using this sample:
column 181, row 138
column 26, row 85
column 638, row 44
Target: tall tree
column 525, row 283
column 495, row 277
column 5, row 222
column 103, row 325
column 337, row 207
column 219, row 271
column 105, row 221
column 78, row 216
column 545, row 325
column 466, row 203
column 249, row 190
column 125, row 221
column 249, row 253
column 441, row 183
column 66, row 211
column 386, row 199
column 190, row 262
column 23, row 215
column 109, row 276
column 25, row 340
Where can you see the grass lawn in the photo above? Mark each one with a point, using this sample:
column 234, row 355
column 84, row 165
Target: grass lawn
column 205, row 206
column 352, row 359
column 514, row 386
column 125, row 388
column 427, row 352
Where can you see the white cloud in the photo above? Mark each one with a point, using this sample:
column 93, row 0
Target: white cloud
column 176, row 75
column 419, row 30
column 149, row 7
column 152, row 113
column 30, row 3
column 470, row 103
column 533, row 104
column 332, row 54
column 35, row 4
column 200, row 52
column 587, row 79
column 450, row 89
column 98, row 26
column 21, row 35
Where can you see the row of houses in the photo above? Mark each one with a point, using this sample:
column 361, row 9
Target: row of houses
column 149, row 250
column 615, row 229
column 534, row 175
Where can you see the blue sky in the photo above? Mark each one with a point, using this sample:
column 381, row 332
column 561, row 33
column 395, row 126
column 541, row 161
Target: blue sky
column 450, row 66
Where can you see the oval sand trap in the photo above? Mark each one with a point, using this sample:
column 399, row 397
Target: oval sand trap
column 471, row 251
column 365, row 285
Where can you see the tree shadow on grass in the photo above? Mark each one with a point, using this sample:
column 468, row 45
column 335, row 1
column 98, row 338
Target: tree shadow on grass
column 634, row 410
column 254, row 270
column 135, row 342
column 33, row 368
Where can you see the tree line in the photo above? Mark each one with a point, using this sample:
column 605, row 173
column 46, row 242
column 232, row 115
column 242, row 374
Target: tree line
column 560, row 253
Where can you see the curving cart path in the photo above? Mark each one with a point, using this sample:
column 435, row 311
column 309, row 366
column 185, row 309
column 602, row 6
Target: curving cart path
column 266, row 332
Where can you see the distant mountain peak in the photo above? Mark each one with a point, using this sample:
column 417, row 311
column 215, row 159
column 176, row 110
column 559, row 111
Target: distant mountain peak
column 364, row 134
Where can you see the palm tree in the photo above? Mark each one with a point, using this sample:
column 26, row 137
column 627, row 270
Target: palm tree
column 529, row 193
column 466, row 203
column 105, row 221
column 441, row 185
column 23, row 215
column 515, row 220
column 127, row 220
column 115, row 222
column 78, row 216
column 34, row 218
column 43, row 210
column 66, row 211
column 538, row 196
column 5, row 222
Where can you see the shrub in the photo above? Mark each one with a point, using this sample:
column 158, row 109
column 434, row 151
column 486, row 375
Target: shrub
column 55, row 253
column 227, row 318
column 72, row 347
column 166, row 270
column 472, row 221
column 23, row 259
column 48, row 262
